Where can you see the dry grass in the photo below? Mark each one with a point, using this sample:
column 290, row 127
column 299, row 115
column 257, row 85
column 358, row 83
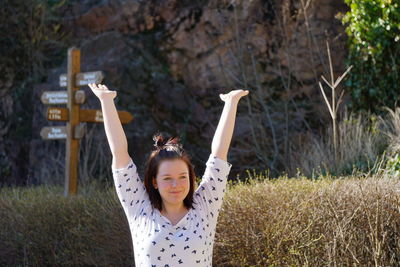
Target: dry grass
column 282, row 222
column 361, row 142
column 391, row 126
column 365, row 143
column 293, row 222
column 42, row 228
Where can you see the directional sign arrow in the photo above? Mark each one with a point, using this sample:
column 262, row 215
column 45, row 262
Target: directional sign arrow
column 95, row 115
column 83, row 78
column 53, row 133
column 85, row 115
column 60, row 132
column 57, row 114
column 54, row 97
column 61, row 97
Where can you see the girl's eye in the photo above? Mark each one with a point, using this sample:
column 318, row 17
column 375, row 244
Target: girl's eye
column 167, row 178
column 183, row 177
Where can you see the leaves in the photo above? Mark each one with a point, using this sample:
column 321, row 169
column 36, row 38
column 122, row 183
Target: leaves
column 373, row 28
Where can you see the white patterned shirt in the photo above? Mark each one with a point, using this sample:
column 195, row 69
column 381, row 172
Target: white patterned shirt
column 158, row 243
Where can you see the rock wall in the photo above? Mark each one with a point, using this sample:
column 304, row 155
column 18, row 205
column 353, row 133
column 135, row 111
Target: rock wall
column 169, row 61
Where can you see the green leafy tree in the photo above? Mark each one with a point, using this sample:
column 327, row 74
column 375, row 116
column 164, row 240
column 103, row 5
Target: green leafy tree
column 373, row 28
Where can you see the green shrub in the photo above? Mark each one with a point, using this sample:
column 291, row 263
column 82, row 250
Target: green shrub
column 393, row 165
column 373, row 28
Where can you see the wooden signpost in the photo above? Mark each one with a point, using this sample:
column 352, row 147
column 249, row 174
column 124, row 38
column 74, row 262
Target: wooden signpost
column 75, row 117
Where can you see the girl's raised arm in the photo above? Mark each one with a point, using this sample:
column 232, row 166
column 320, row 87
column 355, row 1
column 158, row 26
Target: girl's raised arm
column 210, row 193
column 223, row 134
column 115, row 133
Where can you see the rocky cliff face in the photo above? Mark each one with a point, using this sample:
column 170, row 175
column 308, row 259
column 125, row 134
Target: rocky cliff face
column 169, row 60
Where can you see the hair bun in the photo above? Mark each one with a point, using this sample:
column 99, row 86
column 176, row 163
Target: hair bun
column 160, row 142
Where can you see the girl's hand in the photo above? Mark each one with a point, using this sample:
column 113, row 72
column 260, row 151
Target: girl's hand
column 234, row 95
column 101, row 91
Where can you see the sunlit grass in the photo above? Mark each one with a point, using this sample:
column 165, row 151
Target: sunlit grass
column 345, row 221
column 264, row 222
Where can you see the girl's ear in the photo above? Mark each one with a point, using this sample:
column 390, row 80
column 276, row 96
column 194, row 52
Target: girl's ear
column 154, row 182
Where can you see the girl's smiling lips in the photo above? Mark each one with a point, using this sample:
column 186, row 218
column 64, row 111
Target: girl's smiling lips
column 176, row 192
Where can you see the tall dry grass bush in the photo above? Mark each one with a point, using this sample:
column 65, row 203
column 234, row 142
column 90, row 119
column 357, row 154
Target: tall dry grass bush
column 40, row 227
column 299, row 222
column 282, row 222
column 391, row 126
column 361, row 143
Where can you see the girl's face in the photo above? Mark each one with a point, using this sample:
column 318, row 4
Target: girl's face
column 172, row 181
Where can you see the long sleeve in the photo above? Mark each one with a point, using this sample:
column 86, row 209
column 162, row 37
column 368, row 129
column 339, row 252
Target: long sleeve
column 210, row 193
column 130, row 189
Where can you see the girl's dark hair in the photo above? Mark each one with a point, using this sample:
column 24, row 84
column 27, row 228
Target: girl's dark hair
column 166, row 150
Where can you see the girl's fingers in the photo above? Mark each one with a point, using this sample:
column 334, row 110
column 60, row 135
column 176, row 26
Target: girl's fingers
column 234, row 94
column 94, row 86
column 103, row 87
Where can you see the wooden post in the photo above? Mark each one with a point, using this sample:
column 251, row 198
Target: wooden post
column 72, row 144
column 75, row 117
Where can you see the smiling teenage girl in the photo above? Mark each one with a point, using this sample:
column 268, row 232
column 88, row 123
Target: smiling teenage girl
column 172, row 223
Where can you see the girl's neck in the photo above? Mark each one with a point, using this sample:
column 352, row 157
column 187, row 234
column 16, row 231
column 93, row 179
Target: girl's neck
column 173, row 209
